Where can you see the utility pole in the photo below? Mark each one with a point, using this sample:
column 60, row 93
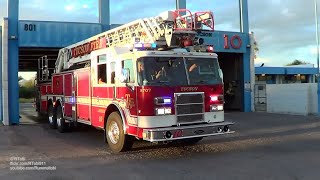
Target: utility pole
column 317, row 40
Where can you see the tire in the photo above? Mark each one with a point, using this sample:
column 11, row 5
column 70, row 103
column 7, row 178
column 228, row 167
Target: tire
column 117, row 140
column 51, row 117
column 62, row 126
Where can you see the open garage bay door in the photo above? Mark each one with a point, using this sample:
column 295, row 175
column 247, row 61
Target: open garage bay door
column 232, row 67
column 28, row 57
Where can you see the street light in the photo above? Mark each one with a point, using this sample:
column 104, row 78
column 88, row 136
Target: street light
column 317, row 36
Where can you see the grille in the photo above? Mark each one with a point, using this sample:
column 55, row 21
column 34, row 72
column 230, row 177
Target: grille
column 189, row 98
column 190, row 118
column 189, row 107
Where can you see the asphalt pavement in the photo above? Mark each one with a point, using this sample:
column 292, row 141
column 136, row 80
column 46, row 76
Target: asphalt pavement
column 265, row 146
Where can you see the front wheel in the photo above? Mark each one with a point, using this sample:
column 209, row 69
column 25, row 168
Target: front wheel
column 117, row 140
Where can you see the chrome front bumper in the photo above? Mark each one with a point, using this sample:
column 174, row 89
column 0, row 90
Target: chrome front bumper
column 185, row 132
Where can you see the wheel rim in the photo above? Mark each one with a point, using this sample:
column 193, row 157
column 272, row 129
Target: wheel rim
column 59, row 121
column 114, row 132
column 50, row 115
column 50, row 119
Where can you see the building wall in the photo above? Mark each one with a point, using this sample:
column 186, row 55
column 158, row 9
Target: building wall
column 292, row 98
column 284, row 79
column 1, row 72
column 54, row 34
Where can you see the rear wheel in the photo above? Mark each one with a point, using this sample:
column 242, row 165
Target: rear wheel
column 51, row 118
column 117, row 140
column 61, row 123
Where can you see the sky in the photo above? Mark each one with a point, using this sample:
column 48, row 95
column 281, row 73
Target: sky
column 284, row 29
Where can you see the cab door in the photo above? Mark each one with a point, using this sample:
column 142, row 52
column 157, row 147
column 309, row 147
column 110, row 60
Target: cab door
column 126, row 91
column 99, row 87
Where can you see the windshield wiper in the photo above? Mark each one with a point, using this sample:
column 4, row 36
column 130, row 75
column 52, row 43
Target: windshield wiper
column 161, row 81
column 201, row 81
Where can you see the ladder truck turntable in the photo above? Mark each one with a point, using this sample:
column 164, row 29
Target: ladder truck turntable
column 152, row 79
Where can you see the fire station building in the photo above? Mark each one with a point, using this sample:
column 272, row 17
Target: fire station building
column 22, row 42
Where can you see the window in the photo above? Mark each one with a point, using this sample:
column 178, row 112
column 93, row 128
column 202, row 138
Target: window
column 304, row 78
column 113, row 72
column 102, row 74
column 102, row 59
column 102, row 69
column 127, row 64
column 262, row 78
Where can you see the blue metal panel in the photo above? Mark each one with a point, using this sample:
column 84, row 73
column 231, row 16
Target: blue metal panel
column 55, row 34
column 181, row 4
column 285, row 70
column 58, row 34
column 246, row 79
column 221, row 38
column 13, row 61
column 269, row 70
column 244, row 18
column 1, row 116
column 244, row 28
column 297, row 70
column 104, row 14
column 115, row 25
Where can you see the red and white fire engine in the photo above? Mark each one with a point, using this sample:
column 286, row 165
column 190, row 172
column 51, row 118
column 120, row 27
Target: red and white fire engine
column 152, row 79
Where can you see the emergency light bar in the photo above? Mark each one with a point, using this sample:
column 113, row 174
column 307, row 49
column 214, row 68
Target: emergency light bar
column 142, row 46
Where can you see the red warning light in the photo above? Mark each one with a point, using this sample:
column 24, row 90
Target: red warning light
column 210, row 48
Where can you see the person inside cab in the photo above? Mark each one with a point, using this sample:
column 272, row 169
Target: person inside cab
column 141, row 71
column 102, row 76
column 160, row 74
column 193, row 68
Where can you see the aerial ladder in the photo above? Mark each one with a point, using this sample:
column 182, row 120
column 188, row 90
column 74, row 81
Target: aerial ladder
column 168, row 30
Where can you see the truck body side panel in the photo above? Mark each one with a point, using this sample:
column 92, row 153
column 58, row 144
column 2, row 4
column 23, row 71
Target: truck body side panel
column 57, row 84
column 49, row 89
column 98, row 116
column 68, row 84
column 101, row 98
column 130, row 98
column 68, row 93
column 83, row 95
column 44, row 90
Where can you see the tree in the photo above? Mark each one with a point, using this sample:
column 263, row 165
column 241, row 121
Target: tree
column 29, row 84
column 27, row 89
column 296, row 62
column 255, row 45
column 20, row 78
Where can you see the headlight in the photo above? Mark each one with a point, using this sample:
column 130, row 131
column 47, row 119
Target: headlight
column 162, row 100
column 216, row 107
column 163, row 111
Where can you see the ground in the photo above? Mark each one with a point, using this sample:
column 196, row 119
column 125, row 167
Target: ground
column 265, row 146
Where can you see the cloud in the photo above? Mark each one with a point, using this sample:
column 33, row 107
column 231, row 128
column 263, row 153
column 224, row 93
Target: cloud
column 313, row 50
column 260, row 60
column 283, row 29
column 69, row 7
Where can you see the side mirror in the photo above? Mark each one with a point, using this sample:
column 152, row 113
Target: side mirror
column 125, row 72
column 221, row 74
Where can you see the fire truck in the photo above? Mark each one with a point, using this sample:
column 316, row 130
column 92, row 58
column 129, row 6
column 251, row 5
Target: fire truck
column 153, row 79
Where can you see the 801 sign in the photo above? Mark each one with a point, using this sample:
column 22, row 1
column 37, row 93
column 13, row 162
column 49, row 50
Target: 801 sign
column 30, row 27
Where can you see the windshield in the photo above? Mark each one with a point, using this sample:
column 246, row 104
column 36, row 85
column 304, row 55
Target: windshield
column 177, row 71
column 203, row 71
